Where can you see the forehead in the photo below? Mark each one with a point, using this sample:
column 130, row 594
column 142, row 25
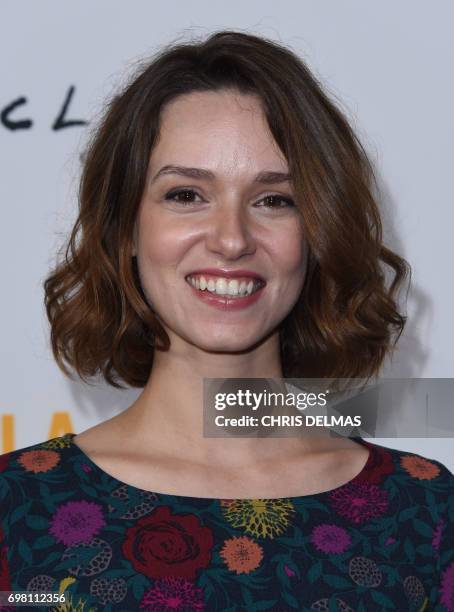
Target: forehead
column 224, row 130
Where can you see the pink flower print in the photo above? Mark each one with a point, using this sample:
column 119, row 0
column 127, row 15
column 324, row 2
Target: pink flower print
column 436, row 539
column 359, row 502
column 172, row 593
column 76, row 522
column 86, row 467
column 330, row 538
column 390, row 540
column 447, row 588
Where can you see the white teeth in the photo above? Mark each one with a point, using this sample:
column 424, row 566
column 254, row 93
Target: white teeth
column 224, row 286
column 233, row 287
column 221, row 286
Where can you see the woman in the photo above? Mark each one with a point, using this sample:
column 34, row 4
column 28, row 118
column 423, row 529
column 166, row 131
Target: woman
column 223, row 168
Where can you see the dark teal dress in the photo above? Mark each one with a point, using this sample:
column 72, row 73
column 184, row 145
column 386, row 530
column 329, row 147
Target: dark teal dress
column 383, row 541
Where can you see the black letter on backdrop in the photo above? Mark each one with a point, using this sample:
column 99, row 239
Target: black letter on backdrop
column 60, row 121
column 24, row 124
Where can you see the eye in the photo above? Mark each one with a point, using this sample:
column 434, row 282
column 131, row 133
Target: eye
column 187, row 193
column 287, row 202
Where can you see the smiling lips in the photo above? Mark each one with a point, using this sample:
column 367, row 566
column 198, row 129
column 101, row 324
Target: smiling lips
column 234, row 283
column 227, row 288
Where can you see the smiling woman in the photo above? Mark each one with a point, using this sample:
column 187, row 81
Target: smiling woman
column 220, row 212
column 227, row 226
column 243, row 119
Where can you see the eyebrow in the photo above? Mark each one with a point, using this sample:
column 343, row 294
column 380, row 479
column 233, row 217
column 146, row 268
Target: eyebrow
column 266, row 177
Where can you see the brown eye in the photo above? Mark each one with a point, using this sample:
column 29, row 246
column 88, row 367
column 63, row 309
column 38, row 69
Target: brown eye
column 187, row 195
column 278, row 201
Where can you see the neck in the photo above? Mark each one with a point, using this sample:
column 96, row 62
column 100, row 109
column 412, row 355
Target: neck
column 168, row 415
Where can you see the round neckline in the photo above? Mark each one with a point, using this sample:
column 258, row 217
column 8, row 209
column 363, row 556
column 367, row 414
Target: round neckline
column 368, row 445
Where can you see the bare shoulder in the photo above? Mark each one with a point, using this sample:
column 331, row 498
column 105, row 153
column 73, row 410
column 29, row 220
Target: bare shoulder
column 104, row 439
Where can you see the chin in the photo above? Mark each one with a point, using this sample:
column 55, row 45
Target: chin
column 224, row 342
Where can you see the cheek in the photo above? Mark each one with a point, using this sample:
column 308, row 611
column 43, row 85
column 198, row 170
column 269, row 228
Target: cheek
column 160, row 243
column 290, row 253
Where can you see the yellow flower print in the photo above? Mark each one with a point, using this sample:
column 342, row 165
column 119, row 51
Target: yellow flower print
column 58, row 442
column 262, row 518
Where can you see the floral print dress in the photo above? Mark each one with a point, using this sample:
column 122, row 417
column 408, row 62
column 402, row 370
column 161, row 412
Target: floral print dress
column 382, row 541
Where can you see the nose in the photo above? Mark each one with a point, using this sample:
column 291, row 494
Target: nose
column 230, row 232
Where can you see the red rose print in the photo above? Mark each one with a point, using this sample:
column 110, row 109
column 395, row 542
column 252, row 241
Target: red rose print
column 166, row 544
column 379, row 465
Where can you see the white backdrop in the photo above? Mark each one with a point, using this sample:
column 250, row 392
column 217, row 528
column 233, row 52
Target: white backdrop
column 388, row 64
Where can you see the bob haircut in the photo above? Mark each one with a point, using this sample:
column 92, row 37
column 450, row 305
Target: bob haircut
column 346, row 319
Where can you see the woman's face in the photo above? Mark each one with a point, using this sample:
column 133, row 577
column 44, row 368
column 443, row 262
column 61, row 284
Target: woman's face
column 222, row 219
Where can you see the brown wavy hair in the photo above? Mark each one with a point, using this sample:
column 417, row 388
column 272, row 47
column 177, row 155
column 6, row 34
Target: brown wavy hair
column 346, row 319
